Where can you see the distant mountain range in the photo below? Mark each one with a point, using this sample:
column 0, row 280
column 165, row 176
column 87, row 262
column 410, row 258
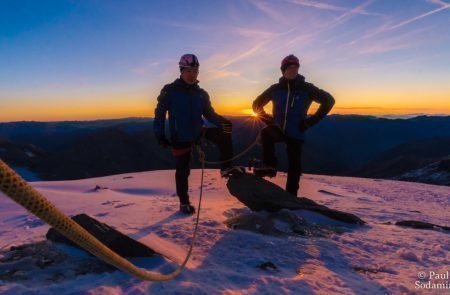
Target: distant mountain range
column 415, row 149
column 426, row 160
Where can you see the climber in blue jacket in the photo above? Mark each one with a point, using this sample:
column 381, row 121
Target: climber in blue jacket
column 291, row 98
column 187, row 104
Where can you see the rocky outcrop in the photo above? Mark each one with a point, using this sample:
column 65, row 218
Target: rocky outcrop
column 259, row 194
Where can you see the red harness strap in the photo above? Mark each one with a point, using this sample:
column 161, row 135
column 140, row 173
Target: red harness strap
column 180, row 152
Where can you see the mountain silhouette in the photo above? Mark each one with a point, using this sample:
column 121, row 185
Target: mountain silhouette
column 345, row 145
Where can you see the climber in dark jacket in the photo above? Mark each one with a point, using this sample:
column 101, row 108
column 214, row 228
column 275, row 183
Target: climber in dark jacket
column 291, row 98
column 186, row 103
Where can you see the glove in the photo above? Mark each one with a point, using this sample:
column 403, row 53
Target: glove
column 162, row 141
column 227, row 127
column 266, row 119
column 308, row 123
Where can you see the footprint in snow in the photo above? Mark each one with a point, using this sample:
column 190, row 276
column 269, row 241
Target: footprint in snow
column 27, row 221
column 329, row 193
column 124, row 205
column 110, row 203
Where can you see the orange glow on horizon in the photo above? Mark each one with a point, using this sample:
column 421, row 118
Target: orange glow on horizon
column 248, row 112
column 138, row 107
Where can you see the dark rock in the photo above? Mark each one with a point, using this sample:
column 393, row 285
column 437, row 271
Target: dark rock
column 110, row 237
column 366, row 270
column 43, row 262
column 281, row 223
column 24, row 264
column 421, row 225
column 268, row 266
column 97, row 188
column 259, row 194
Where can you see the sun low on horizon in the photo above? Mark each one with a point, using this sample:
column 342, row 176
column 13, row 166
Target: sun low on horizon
column 85, row 60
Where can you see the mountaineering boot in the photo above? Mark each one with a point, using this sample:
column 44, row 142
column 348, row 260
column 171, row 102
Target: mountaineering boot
column 233, row 170
column 187, row 209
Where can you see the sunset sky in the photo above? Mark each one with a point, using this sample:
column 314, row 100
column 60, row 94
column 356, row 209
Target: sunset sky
column 67, row 60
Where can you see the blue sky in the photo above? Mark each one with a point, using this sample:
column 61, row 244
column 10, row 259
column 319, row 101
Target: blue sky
column 63, row 60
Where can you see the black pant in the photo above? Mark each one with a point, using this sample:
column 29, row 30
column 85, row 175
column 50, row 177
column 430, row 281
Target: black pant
column 214, row 135
column 294, row 147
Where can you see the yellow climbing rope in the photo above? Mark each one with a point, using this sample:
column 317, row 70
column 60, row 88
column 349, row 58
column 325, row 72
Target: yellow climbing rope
column 13, row 186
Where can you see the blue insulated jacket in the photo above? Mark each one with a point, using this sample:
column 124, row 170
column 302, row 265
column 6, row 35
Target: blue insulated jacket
column 291, row 100
column 186, row 104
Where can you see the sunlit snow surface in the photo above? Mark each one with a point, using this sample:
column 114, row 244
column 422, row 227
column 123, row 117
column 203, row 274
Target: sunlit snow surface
column 374, row 259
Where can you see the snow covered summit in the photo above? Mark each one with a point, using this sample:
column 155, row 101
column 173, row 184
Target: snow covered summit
column 374, row 259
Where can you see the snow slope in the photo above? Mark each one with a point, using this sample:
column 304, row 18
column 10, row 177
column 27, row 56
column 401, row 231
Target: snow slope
column 373, row 259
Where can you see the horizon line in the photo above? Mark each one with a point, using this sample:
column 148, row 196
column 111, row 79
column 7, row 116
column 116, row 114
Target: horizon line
column 384, row 116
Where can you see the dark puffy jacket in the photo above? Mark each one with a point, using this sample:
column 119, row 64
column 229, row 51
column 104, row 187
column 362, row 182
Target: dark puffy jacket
column 186, row 104
column 291, row 100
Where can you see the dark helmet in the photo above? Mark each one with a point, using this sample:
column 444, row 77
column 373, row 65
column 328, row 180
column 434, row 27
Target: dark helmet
column 188, row 61
column 288, row 61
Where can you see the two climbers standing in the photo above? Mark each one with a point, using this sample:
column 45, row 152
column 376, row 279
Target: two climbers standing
column 186, row 103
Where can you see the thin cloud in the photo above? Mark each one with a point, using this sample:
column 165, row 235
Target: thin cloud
column 354, row 11
column 269, row 11
column 243, row 55
column 238, row 30
column 326, row 6
column 398, row 42
column 318, row 5
column 310, row 37
column 144, row 68
column 219, row 74
column 385, row 27
column 190, row 26
column 438, row 2
column 382, row 48
column 417, row 18
column 252, row 33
